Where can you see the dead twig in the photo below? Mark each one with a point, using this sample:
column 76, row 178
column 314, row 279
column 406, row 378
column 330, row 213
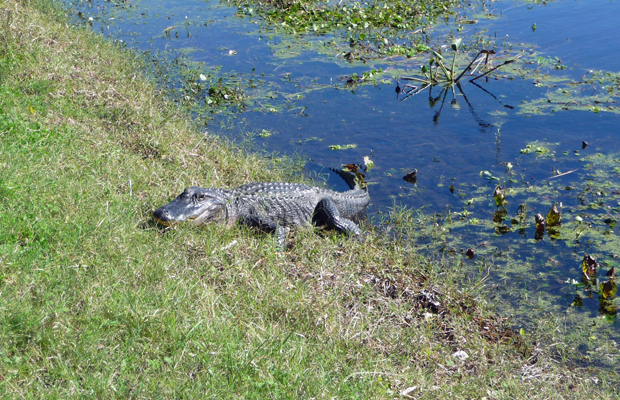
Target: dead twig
column 559, row 175
column 493, row 69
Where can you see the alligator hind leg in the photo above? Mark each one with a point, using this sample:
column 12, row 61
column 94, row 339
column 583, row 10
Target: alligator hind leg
column 268, row 226
column 326, row 213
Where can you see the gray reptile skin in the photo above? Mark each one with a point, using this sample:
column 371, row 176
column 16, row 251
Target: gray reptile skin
column 273, row 207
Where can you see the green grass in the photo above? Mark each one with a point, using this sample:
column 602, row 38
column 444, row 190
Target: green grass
column 96, row 300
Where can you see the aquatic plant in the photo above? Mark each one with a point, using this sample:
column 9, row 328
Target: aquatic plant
column 436, row 71
column 499, row 197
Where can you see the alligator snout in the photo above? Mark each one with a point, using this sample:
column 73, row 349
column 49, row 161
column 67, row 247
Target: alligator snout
column 163, row 216
column 195, row 205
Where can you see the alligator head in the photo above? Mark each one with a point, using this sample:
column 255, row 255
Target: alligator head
column 195, row 205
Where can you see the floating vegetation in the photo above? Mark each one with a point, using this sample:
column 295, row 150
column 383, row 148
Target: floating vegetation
column 521, row 214
column 365, row 77
column 368, row 163
column 393, row 33
column 538, row 148
column 588, row 266
column 342, row 146
column 596, row 91
column 375, row 26
column 576, row 226
column 488, row 175
column 499, row 197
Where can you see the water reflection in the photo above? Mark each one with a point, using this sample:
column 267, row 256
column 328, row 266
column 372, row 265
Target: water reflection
column 410, row 90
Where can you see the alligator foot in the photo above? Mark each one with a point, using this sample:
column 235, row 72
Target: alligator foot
column 268, row 226
column 326, row 213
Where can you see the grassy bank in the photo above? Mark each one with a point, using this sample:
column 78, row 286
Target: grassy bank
column 96, row 300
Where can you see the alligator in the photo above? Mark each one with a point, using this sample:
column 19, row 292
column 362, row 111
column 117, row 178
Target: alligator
column 273, row 207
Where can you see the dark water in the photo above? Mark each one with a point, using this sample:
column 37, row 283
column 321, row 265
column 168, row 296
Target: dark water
column 474, row 131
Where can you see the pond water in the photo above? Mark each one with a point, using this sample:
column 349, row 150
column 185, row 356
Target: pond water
column 522, row 127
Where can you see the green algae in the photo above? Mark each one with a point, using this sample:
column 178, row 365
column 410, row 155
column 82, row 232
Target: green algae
column 539, row 148
column 371, row 21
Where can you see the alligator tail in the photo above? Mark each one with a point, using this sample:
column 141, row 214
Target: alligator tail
column 355, row 180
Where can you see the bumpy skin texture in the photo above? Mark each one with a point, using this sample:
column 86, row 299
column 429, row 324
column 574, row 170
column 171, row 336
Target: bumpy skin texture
column 274, row 207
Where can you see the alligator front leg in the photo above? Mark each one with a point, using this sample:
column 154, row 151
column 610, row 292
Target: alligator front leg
column 267, row 225
column 326, row 213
